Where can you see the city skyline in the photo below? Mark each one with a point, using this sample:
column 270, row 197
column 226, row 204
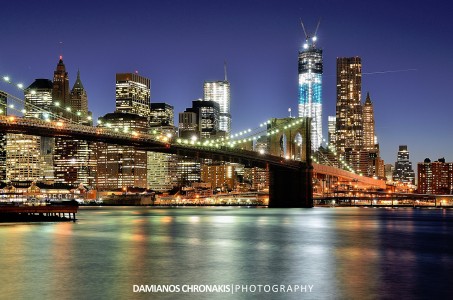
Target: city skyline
column 180, row 55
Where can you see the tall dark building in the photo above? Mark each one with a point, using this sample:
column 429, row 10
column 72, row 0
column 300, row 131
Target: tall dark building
column 206, row 123
column 79, row 103
column 403, row 167
column 349, row 120
column 60, row 91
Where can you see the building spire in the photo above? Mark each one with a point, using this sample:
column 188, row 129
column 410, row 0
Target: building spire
column 78, row 83
column 225, row 69
column 368, row 99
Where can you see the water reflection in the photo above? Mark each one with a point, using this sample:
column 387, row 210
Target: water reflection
column 347, row 253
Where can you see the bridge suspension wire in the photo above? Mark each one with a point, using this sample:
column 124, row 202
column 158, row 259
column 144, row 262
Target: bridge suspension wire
column 57, row 105
column 342, row 162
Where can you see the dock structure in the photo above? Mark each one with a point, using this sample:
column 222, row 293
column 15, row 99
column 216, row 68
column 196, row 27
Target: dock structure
column 38, row 212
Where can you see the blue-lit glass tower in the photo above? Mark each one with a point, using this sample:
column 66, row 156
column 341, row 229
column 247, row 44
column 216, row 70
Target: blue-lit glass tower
column 310, row 88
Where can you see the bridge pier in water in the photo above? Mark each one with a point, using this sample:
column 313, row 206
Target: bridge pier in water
column 290, row 188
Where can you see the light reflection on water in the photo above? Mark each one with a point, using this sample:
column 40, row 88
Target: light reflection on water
column 347, row 253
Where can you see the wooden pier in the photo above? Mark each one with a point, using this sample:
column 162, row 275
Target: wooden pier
column 29, row 213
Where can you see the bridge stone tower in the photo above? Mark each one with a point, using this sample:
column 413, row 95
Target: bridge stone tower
column 291, row 187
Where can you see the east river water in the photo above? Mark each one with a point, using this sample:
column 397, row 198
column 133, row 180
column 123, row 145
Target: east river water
column 243, row 253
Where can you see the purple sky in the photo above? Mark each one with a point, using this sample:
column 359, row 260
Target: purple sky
column 180, row 43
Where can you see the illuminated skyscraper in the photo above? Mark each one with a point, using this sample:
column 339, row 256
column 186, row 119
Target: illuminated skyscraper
column 219, row 91
column 349, row 118
column 369, row 140
column 310, row 88
column 3, row 103
column 133, row 94
column 403, row 167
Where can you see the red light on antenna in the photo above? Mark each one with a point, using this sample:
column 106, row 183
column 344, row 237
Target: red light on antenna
column 136, row 71
column 61, row 57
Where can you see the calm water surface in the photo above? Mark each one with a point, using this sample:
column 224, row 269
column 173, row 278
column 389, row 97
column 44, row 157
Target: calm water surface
column 345, row 253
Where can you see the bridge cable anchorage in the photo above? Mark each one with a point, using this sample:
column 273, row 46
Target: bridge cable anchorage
column 343, row 163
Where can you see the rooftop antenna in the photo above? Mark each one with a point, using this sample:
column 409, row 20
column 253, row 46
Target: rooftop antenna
column 303, row 27
column 307, row 36
column 225, row 70
column 316, row 31
column 60, row 44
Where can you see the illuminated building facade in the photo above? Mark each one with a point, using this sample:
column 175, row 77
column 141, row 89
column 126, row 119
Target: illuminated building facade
column 331, row 128
column 310, row 88
column 119, row 166
column 369, row 140
column 257, row 178
column 3, row 110
column 349, row 117
column 161, row 171
column 220, row 176
column 403, row 167
column 38, row 99
column 188, row 125
column 162, row 114
column 188, row 171
column 435, row 177
column 219, row 91
column 23, row 157
column 133, row 94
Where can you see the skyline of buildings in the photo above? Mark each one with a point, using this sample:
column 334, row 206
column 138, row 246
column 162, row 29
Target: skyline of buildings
column 133, row 96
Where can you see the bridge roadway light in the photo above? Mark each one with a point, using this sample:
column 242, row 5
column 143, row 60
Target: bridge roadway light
column 6, row 78
column 20, row 85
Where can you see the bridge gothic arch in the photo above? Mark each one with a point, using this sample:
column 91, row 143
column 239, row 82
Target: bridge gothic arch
column 292, row 139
